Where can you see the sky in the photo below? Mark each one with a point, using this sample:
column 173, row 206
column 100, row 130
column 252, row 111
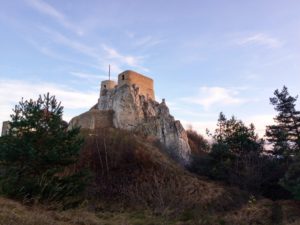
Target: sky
column 205, row 57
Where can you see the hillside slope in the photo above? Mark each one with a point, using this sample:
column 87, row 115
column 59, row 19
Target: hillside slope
column 137, row 182
column 137, row 171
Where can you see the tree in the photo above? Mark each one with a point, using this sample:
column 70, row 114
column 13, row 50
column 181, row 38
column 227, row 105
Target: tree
column 285, row 135
column 240, row 150
column 291, row 179
column 239, row 138
column 39, row 151
column 235, row 156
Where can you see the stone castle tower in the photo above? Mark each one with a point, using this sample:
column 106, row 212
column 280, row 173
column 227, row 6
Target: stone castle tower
column 129, row 77
column 130, row 104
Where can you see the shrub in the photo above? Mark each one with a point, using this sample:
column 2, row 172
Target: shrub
column 197, row 142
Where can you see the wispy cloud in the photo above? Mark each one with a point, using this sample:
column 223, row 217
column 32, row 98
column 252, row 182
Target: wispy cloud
column 143, row 41
column 49, row 10
column 102, row 55
column 74, row 101
column 90, row 77
column 148, row 41
column 260, row 39
column 70, row 43
column 129, row 60
column 209, row 96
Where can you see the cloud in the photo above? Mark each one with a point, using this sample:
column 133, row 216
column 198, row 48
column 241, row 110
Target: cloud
column 143, row 41
column 103, row 56
column 128, row 60
column 90, row 77
column 71, row 43
column 56, row 54
column 209, row 96
column 148, row 41
column 52, row 12
column 114, row 54
column 74, row 101
column 260, row 39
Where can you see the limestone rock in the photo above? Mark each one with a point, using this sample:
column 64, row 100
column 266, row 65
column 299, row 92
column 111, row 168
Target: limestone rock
column 126, row 107
column 134, row 112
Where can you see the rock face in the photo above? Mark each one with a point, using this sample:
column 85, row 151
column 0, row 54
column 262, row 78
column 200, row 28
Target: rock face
column 134, row 111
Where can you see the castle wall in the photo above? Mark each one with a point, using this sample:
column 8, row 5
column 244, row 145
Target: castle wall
column 93, row 119
column 145, row 84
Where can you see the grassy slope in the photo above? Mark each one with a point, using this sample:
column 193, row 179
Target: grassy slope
column 162, row 192
column 14, row 213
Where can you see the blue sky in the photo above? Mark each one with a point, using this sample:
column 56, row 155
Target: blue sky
column 204, row 56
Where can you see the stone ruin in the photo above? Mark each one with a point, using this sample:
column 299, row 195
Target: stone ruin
column 130, row 104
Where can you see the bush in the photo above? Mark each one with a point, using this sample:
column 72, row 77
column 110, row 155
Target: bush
column 197, row 142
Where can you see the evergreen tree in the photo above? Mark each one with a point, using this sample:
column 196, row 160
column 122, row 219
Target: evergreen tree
column 38, row 153
column 235, row 156
column 239, row 138
column 291, row 179
column 285, row 135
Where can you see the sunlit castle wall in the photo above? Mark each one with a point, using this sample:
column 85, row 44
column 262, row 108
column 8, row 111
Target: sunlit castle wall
column 145, row 84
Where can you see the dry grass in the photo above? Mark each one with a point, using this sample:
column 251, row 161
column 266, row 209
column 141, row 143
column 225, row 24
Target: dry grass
column 258, row 213
column 13, row 213
column 138, row 184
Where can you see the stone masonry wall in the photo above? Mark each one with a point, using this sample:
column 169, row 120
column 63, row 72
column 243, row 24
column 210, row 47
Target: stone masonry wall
column 144, row 83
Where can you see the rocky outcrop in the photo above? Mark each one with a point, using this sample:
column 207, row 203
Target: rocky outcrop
column 133, row 111
column 136, row 112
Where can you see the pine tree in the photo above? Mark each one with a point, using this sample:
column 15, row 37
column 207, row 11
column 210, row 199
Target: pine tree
column 285, row 135
column 239, row 138
column 37, row 154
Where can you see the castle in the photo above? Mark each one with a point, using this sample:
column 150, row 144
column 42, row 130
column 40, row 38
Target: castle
column 129, row 77
column 130, row 104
